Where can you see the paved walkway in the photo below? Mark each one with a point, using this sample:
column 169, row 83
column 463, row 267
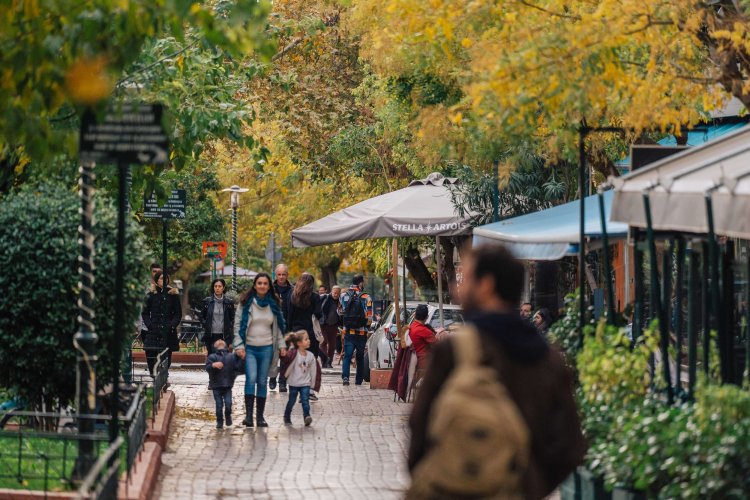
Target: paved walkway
column 355, row 448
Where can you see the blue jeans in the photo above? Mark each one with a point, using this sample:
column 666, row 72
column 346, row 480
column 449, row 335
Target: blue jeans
column 223, row 399
column 304, row 395
column 257, row 362
column 352, row 342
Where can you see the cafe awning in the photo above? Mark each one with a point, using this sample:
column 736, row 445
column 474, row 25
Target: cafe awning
column 678, row 186
column 552, row 233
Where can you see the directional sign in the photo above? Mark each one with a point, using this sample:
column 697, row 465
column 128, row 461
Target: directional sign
column 130, row 134
column 215, row 247
column 173, row 208
column 273, row 254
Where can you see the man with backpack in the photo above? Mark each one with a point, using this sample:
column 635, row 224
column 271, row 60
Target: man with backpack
column 494, row 416
column 356, row 314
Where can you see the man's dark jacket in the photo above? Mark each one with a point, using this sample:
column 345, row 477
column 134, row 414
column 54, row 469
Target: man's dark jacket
column 285, row 293
column 538, row 381
column 207, row 314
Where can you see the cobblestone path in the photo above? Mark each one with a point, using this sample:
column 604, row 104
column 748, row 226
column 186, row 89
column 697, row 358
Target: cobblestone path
column 355, row 448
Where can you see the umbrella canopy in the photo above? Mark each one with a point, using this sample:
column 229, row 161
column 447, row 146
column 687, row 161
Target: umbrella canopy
column 227, row 271
column 424, row 208
column 552, row 233
column 677, row 187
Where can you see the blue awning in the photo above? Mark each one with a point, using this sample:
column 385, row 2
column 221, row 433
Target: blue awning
column 704, row 134
column 552, row 233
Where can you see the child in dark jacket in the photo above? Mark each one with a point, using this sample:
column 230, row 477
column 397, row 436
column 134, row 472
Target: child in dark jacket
column 222, row 368
column 302, row 373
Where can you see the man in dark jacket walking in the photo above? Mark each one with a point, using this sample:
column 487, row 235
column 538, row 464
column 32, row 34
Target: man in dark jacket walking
column 284, row 289
column 534, row 374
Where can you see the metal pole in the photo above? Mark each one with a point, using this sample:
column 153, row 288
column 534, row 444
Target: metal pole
column 747, row 315
column 114, row 427
column 666, row 281
column 679, row 289
column 655, row 299
column 85, row 339
column 496, row 192
column 713, row 258
column 438, row 256
column 273, row 254
column 127, row 371
column 706, row 307
column 582, row 231
column 639, row 291
column 396, row 305
column 607, row 263
column 234, row 248
column 691, row 321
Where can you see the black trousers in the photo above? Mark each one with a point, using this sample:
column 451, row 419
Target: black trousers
column 152, row 354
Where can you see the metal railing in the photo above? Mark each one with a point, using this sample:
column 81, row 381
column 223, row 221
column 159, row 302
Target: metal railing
column 102, row 480
column 40, row 451
column 160, row 380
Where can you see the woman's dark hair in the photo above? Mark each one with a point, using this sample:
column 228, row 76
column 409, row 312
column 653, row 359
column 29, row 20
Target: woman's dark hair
column 157, row 275
column 301, row 296
column 252, row 292
column 217, row 280
column 546, row 316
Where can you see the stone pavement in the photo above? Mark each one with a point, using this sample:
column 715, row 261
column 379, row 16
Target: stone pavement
column 355, row 448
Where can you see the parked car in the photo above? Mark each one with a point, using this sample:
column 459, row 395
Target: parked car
column 383, row 343
column 381, row 346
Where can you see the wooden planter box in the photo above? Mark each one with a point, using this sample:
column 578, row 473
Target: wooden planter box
column 592, row 487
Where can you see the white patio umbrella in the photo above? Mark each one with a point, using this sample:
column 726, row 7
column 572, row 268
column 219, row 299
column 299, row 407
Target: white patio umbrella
column 424, row 208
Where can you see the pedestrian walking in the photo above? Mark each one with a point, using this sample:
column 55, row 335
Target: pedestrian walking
column 259, row 341
column 495, row 415
column 542, row 320
column 283, row 288
column 525, row 311
column 356, row 312
column 322, row 291
column 222, row 367
column 304, row 305
column 161, row 315
column 330, row 324
column 302, row 372
column 141, row 327
column 217, row 316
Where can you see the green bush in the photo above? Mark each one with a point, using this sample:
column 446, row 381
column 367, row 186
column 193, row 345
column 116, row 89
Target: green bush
column 39, row 283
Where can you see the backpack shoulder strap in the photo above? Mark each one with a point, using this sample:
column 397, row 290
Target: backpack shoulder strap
column 468, row 347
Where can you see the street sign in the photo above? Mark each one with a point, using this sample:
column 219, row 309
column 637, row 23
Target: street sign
column 174, row 208
column 214, row 248
column 273, row 254
column 130, row 134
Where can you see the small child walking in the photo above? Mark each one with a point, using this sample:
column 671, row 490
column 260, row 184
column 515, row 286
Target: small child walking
column 302, row 373
column 222, row 367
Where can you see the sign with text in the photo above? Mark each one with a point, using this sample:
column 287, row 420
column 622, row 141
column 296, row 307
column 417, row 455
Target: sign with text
column 173, row 208
column 130, row 134
column 215, row 249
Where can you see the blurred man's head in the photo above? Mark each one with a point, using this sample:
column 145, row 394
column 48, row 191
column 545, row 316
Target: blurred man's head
column 493, row 280
column 421, row 313
column 282, row 274
column 359, row 281
column 322, row 290
column 336, row 292
column 526, row 310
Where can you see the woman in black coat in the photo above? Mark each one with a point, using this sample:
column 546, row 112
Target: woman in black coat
column 304, row 305
column 217, row 316
column 161, row 315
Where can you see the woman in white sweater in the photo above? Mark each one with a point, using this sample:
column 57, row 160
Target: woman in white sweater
column 259, row 340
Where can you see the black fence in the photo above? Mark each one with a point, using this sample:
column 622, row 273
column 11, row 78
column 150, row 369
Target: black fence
column 102, row 480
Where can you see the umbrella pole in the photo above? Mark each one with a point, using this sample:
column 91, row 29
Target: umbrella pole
column 396, row 305
column 439, row 279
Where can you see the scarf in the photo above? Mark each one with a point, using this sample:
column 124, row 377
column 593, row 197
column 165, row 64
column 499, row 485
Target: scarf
column 266, row 301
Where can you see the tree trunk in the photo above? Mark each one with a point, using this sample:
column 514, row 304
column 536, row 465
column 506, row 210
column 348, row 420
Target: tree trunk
column 449, row 269
column 329, row 272
column 418, row 270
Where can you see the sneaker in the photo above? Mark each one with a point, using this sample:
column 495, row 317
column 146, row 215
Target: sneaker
column 287, row 420
column 308, row 421
column 272, row 383
column 282, row 387
column 219, row 426
column 346, row 381
column 229, row 422
column 313, row 397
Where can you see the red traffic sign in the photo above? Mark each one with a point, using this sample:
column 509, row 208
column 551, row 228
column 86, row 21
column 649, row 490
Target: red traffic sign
column 214, row 248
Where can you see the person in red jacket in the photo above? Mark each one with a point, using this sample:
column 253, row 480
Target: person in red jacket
column 422, row 336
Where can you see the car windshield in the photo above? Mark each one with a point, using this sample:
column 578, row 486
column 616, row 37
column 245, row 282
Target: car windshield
column 450, row 316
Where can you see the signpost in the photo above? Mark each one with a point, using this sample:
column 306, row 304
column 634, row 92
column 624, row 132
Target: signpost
column 272, row 254
column 216, row 251
column 173, row 208
column 131, row 133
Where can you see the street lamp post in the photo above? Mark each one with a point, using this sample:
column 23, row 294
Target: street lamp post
column 234, row 203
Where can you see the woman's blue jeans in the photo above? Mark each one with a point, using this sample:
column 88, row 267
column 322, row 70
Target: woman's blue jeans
column 257, row 363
